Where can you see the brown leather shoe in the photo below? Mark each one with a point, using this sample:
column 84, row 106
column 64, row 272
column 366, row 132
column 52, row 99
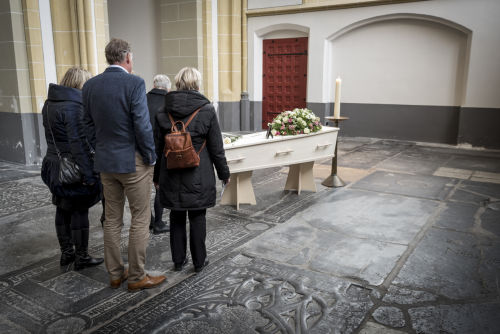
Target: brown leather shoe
column 147, row 282
column 116, row 283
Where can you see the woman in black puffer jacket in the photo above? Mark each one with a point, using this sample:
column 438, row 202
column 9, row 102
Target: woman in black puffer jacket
column 190, row 190
column 65, row 132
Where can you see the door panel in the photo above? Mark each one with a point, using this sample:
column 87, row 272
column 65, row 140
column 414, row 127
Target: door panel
column 284, row 76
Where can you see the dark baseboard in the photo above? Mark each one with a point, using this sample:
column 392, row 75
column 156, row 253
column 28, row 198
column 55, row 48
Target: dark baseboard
column 480, row 127
column 23, row 138
column 437, row 124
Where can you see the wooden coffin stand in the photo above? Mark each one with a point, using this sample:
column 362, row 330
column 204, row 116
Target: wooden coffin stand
column 253, row 151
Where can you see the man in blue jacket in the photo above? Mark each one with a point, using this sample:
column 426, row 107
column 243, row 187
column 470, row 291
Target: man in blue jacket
column 117, row 115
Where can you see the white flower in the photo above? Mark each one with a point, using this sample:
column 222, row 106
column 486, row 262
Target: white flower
column 285, row 119
column 227, row 140
column 273, row 132
column 277, row 121
column 306, row 130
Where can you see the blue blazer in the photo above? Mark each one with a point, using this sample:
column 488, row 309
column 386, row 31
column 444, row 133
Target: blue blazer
column 117, row 116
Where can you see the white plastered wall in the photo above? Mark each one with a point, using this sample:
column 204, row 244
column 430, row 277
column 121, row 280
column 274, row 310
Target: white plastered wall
column 398, row 59
column 138, row 23
column 455, row 25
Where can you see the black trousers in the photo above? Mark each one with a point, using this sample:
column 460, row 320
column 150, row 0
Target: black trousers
column 197, row 234
column 157, row 207
column 77, row 220
column 67, row 224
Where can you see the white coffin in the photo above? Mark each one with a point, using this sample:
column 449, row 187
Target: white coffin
column 254, row 151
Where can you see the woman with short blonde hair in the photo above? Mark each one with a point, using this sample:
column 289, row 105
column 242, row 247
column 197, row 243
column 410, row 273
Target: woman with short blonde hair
column 188, row 78
column 75, row 77
column 189, row 192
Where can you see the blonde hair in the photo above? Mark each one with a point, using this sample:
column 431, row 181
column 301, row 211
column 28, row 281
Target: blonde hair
column 75, row 77
column 161, row 81
column 188, row 78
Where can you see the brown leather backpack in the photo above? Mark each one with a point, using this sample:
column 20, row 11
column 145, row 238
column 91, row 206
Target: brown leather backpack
column 179, row 151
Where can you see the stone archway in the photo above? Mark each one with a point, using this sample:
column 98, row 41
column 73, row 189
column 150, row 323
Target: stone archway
column 404, row 76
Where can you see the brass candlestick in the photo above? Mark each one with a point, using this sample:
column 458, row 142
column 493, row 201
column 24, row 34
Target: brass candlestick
column 334, row 180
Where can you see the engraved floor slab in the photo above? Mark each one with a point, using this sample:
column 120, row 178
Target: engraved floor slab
column 27, row 237
column 397, row 250
column 336, row 235
column 415, row 160
column 459, row 319
column 369, row 155
column 247, row 295
column 73, row 285
column 454, row 265
column 475, row 162
column 430, row 187
column 11, row 172
column 22, row 195
column 455, row 173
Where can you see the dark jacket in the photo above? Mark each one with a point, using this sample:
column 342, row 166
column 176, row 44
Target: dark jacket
column 190, row 188
column 63, row 114
column 156, row 103
column 117, row 115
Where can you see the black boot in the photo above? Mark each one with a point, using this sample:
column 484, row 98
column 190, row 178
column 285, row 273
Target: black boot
column 103, row 214
column 66, row 245
column 103, row 218
column 152, row 222
column 160, row 227
column 82, row 258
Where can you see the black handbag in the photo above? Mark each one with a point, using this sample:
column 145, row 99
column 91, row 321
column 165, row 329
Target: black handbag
column 69, row 171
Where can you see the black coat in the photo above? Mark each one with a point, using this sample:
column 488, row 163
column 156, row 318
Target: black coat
column 190, row 188
column 156, row 103
column 62, row 113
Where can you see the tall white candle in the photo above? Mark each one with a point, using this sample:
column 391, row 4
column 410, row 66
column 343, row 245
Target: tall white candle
column 336, row 109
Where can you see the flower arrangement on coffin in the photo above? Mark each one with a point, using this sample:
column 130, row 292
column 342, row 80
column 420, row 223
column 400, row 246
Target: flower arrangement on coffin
column 297, row 121
column 230, row 139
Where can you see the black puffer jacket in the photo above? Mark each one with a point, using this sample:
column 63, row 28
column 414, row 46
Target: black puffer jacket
column 62, row 113
column 190, row 188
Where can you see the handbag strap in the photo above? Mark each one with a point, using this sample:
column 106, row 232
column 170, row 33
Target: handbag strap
column 91, row 149
column 50, row 128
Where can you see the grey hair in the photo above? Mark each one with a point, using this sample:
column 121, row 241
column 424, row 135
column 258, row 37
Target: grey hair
column 161, row 81
column 188, row 78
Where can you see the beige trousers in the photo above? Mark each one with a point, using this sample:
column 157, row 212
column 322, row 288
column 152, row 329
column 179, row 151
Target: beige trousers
column 137, row 188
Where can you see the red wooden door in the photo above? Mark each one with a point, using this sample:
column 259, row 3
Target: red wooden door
column 284, row 76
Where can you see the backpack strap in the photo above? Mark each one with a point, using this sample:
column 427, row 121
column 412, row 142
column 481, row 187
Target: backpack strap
column 184, row 125
column 189, row 121
column 191, row 117
column 202, row 147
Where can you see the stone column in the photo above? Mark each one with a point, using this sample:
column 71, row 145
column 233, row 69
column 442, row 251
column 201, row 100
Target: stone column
column 22, row 83
column 229, row 29
column 208, row 70
column 182, row 36
column 79, row 29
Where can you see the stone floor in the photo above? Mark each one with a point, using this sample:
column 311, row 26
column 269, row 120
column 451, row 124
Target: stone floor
column 410, row 245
